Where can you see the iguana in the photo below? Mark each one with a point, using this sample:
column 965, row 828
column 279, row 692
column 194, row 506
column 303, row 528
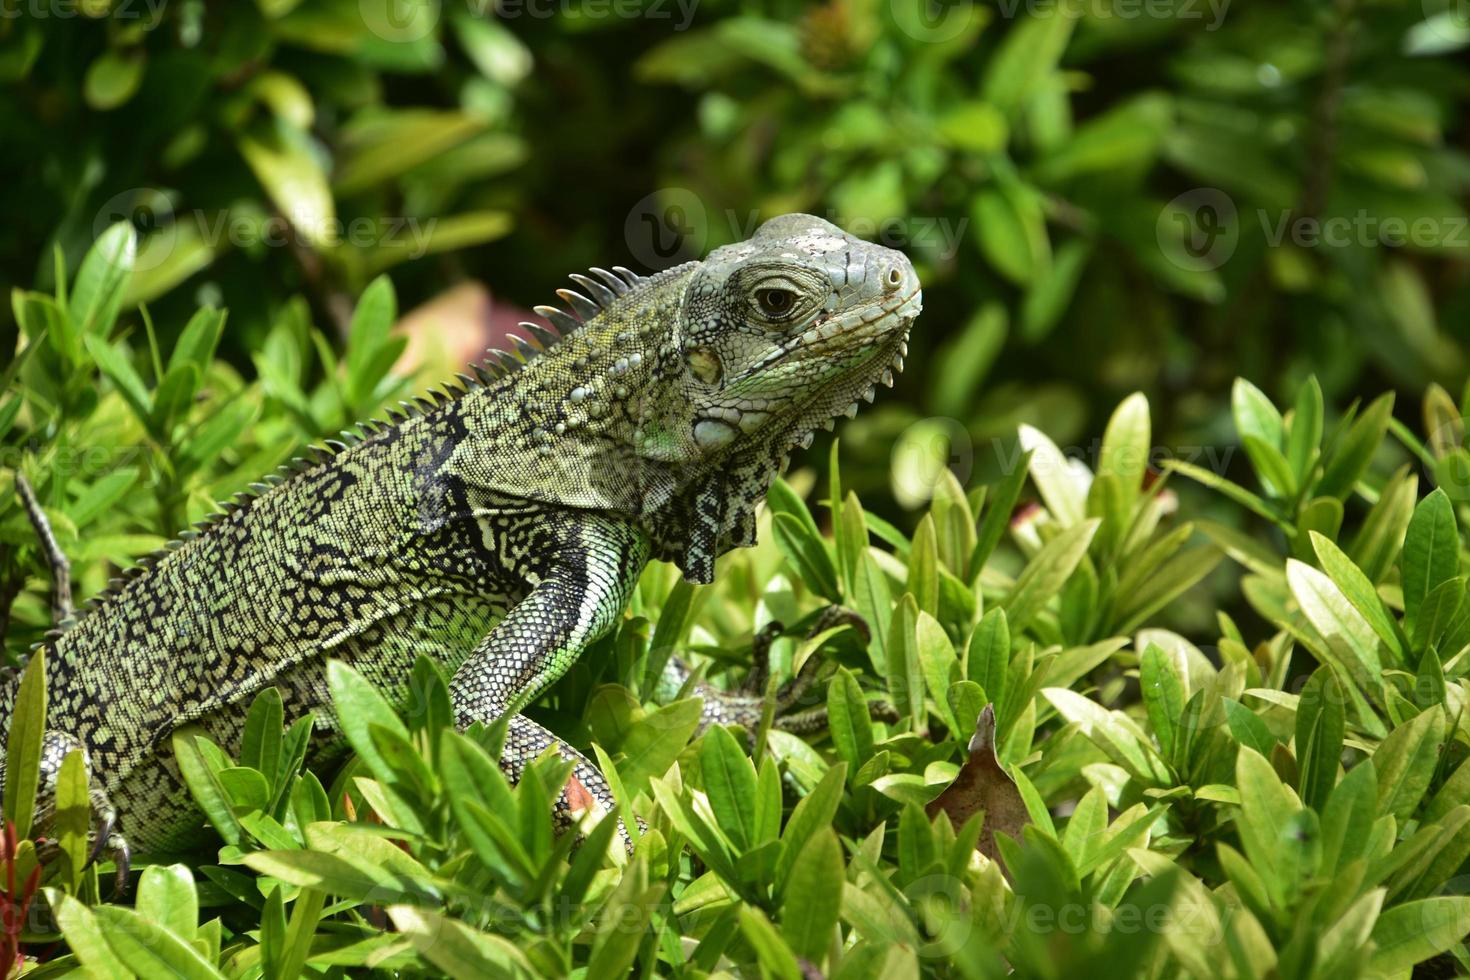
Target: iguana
column 499, row 527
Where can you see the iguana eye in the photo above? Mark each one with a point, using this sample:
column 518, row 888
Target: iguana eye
column 775, row 303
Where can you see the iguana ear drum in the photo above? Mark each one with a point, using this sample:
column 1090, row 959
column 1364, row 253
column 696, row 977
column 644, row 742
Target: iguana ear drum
column 706, row 365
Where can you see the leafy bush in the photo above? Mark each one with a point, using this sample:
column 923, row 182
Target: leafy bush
column 1101, row 195
column 1290, row 799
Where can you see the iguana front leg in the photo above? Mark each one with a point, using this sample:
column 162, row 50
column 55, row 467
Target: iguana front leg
column 579, row 588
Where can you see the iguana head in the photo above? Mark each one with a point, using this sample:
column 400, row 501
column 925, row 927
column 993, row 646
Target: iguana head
column 674, row 399
column 787, row 330
column 775, row 336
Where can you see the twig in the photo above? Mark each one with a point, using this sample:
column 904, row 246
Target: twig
column 61, row 608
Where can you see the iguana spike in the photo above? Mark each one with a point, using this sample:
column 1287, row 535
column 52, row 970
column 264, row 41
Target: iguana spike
column 600, row 293
column 524, row 348
column 581, row 305
column 422, row 405
column 632, row 277
column 336, row 446
column 259, row 488
column 543, row 336
column 614, row 283
column 483, row 372
column 502, row 360
column 466, row 380
column 561, row 320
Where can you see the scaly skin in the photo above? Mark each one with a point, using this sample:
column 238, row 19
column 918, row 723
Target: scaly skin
column 499, row 529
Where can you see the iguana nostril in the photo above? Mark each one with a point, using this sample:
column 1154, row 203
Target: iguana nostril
column 894, row 279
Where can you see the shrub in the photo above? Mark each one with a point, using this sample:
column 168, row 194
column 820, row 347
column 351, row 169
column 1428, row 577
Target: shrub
column 1288, row 799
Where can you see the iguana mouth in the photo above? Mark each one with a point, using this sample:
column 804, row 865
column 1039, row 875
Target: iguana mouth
column 892, row 314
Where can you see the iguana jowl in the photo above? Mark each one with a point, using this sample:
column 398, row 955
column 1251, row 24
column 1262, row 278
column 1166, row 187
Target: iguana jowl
column 500, row 529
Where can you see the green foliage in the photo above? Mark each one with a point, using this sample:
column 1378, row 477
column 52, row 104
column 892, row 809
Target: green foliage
column 1295, row 805
column 1100, row 196
column 1096, row 203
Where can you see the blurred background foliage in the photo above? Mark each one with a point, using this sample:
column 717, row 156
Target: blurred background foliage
column 1102, row 196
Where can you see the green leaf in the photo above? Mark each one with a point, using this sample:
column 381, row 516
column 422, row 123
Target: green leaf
column 730, row 784
column 962, row 361
column 655, row 740
column 1113, row 732
column 1126, row 445
column 260, row 744
column 456, row 948
column 201, row 775
column 1320, row 726
column 812, row 899
column 1012, row 232
column 998, row 514
column 1417, row 931
column 368, row 338
column 1047, row 572
column 848, row 719
column 97, row 291
column 776, row 959
column 988, row 657
column 1267, row 808
column 1031, row 51
column 807, row 554
column 358, row 707
column 905, row 677
column 1304, row 435
column 166, row 896
column 197, row 343
column 288, row 168
column 1431, row 553
column 1378, row 540
column 1161, row 678
column 1405, row 762
column 119, row 371
column 1359, row 590
column 1054, row 477
column 73, row 814
column 1350, row 639
column 1255, row 416
column 1052, row 292
column 23, row 746
column 85, row 935
column 923, row 579
column 1437, row 612
column 1347, row 817
column 148, row 948
column 113, row 78
column 1345, row 463
column 1247, row 727
column 358, row 880
column 813, row 813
